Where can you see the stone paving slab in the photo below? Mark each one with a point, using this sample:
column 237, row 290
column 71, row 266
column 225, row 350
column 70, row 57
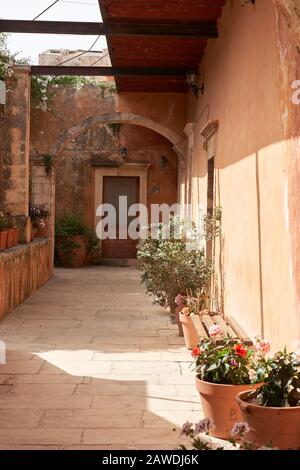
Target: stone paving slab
column 93, row 364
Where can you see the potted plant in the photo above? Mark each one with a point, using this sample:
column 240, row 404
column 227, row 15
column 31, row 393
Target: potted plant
column 191, row 305
column 43, row 225
column 74, row 240
column 173, row 263
column 223, row 371
column 3, row 231
column 273, row 410
column 38, row 218
column 180, row 304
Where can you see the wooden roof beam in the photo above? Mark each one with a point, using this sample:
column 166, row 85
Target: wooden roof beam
column 106, row 71
column 203, row 30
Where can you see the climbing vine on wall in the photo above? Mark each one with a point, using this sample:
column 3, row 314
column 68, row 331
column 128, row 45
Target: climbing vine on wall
column 7, row 59
column 43, row 88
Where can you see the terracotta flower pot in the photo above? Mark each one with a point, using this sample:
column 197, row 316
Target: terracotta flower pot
column 10, row 238
column 189, row 332
column 16, row 236
column 279, row 427
column 77, row 257
column 177, row 316
column 219, row 403
column 3, row 239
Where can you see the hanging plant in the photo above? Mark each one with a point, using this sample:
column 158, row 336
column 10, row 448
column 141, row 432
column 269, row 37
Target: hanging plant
column 115, row 127
column 48, row 162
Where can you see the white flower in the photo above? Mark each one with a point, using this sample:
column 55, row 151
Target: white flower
column 252, row 375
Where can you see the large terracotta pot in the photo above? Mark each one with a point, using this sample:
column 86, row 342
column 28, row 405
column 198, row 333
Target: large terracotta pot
column 219, row 403
column 189, row 332
column 77, row 258
column 10, row 238
column 16, row 236
column 279, row 427
column 177, row 316
column 3, row 239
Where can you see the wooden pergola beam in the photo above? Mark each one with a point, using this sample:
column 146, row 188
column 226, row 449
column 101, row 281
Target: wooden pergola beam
column 106, row 71
column 203, row 31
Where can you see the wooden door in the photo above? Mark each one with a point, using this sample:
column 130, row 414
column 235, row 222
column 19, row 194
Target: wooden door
column 113, row 188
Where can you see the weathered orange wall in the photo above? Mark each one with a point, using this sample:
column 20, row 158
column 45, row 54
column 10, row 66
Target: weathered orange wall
column 75, row 191
column 23, row 269
column 242, row 92
column 97, row 144
column 288, row 40
column 167, row 111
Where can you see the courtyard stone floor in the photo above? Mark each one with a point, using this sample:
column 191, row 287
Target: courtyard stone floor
column 93, row 364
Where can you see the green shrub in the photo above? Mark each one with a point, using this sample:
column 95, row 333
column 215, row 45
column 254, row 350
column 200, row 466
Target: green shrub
column 172, row 266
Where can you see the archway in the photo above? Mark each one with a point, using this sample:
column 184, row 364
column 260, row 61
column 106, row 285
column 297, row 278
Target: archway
column 91, row 170
column 125, row 118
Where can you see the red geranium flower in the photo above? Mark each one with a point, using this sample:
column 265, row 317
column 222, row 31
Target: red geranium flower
column 240, row 350
column 196, row 352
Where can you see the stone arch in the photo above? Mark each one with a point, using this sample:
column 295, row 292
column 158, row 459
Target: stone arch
column 125, row 118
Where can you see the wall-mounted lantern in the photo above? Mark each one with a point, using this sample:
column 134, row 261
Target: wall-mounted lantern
column 123, row 152
column 192, row 79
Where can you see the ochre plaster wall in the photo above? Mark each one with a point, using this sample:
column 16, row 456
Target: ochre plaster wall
column 243, row 92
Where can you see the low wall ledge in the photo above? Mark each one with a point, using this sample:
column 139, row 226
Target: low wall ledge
column 20, row 250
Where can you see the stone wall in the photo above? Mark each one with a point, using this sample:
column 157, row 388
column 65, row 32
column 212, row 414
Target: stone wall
column 23, row 269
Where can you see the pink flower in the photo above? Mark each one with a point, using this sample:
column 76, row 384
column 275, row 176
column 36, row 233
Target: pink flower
column 179, row 299
column 263, row 347
column 234, row 363
column 187, row 428
column 204, row 426
column 240, row 429
column 215, row 330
